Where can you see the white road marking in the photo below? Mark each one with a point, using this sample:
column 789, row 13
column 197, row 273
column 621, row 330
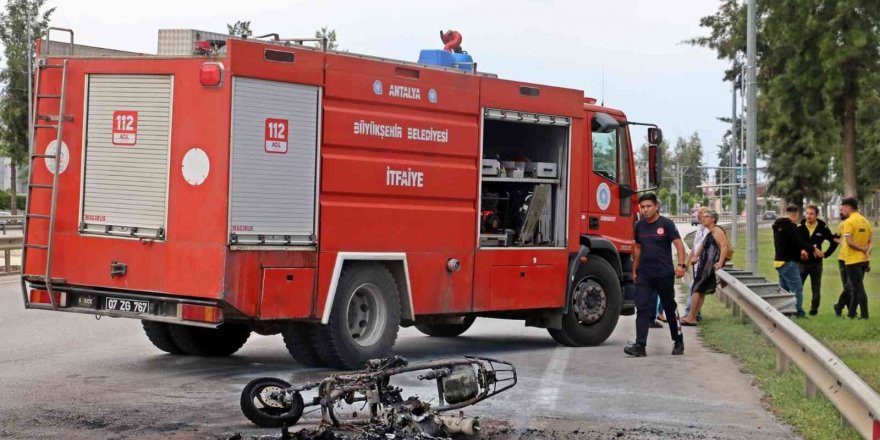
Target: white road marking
column 553, row 379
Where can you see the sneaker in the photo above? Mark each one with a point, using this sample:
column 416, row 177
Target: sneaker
column 655, row 324
column 678, row 349
column 814, row 312
column 635, row 350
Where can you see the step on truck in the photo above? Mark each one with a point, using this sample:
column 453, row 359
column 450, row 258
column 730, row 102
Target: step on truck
column 225, row 186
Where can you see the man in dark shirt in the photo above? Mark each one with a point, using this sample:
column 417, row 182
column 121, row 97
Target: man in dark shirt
column 815, row 232
column 790, row 249
column 653, row 271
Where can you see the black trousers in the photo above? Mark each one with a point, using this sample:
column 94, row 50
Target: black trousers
column 856, row 275
column 846, row 294
column 646, row 308
column 814, row 271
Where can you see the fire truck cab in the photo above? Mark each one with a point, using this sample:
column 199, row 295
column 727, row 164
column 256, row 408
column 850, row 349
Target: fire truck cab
column 228, row 186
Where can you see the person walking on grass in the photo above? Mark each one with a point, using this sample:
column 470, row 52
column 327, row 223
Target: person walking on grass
column 790, row 249
column 856, row 231
column 653, row 271
column 711, row 256
column 815, row 231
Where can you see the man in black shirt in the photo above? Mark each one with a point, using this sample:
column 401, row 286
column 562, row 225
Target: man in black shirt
column 790, row 249
column 653, row 271
column 815, row 232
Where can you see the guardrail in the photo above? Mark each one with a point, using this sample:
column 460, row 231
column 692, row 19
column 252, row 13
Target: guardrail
column 7, row 245
column 11, row 222
column 857, row 402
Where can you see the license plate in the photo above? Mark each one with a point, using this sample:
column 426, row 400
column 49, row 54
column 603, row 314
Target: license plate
column 126, row 305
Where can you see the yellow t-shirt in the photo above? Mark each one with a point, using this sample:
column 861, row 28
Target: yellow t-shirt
column 811, row 229
column 859, row 228
column 841, row 254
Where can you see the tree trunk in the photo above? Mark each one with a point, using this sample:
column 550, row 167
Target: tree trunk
column 850, row 188
column 13, row 196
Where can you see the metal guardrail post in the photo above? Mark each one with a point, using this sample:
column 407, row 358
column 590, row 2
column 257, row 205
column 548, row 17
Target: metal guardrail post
column 857, row 402
column 809, row 388
column 781, row 362
column 7, row 245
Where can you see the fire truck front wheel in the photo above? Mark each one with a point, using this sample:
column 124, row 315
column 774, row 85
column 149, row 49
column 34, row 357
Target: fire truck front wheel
column 198, row 341
column 364, row 319
column 594, row 306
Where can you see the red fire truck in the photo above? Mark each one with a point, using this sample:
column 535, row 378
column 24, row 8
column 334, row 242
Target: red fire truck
column 228, row 186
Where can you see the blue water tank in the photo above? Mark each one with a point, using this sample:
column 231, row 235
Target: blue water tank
column 436, row 57
column 463, row 61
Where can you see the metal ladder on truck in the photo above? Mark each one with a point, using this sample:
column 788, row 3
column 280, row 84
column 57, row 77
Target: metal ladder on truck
column 45, row 122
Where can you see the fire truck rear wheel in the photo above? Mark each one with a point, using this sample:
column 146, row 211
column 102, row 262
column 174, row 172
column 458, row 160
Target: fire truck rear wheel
column 299, row 337
column 364, row 319
column 158, row 334
column 594, row 306
column 446, row 330
column 198, row 341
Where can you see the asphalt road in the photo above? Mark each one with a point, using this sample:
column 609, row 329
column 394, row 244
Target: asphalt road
column 74, row 377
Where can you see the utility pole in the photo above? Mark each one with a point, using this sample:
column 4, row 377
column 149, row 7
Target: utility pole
column 734, row 201
column 751, row 141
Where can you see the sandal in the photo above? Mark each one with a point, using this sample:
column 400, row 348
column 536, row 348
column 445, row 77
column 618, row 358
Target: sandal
column 688, row 324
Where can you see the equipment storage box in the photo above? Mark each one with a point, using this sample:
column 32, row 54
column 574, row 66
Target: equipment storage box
column 511, row 165
column 541, row 169
column 182, row 42
column 491, row 167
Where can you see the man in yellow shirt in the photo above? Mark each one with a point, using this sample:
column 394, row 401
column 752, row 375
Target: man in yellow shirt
column 856, row 233
column 845, row 295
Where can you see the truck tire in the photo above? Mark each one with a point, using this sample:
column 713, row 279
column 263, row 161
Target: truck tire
column 158, row 334
column 199, row 341
column 446, row 330
column 594, row 306
column 364, row 318
column 300, row 341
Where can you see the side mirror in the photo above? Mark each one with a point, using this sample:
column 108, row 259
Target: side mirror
column 655, row 136
column 603, row 123
column 655, row 165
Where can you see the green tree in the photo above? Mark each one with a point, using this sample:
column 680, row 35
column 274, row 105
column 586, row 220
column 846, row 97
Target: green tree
column 18, row 18
column 330, row 35
column 799, row 134
column 815, row 58
column 689, row 157
column 847, row 41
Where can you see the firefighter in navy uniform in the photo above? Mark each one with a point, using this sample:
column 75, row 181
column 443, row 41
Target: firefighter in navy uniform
column 653, row 271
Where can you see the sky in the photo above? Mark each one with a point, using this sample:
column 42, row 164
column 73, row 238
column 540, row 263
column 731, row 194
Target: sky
column 648, row 72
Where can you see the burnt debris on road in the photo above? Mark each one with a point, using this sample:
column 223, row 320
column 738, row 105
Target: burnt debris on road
column 385, row 413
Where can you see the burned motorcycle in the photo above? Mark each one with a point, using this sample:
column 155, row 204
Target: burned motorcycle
column 271, row 402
